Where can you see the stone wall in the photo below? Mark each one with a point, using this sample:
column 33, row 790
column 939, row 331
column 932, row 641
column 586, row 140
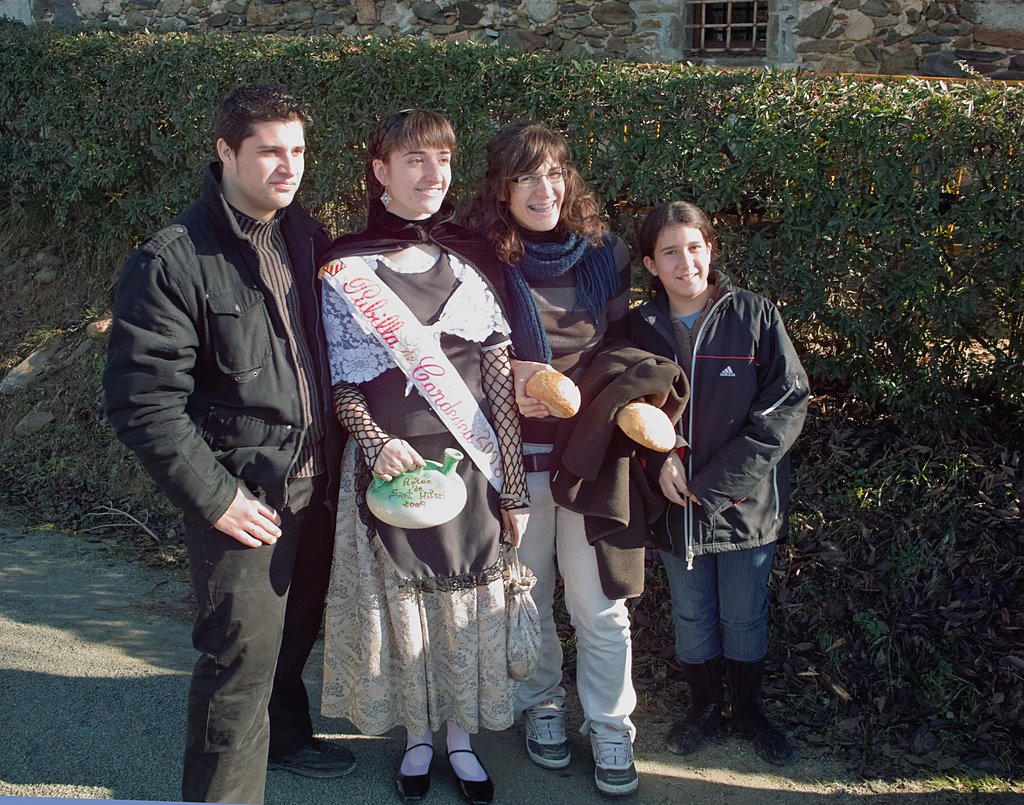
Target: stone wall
column 20, row 10
column 579, row 26
column 922, row 37
column 918, row 37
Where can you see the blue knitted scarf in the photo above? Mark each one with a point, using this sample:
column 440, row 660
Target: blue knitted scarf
column 597, row 281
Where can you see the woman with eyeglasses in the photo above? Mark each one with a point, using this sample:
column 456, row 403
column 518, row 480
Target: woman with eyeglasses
column 415, row 631
column 567, row 295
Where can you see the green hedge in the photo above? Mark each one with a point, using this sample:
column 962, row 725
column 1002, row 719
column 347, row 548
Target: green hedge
column 886, row 218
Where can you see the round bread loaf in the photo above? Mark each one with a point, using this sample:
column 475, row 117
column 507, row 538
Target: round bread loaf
column 556, row 391
column 647, row 425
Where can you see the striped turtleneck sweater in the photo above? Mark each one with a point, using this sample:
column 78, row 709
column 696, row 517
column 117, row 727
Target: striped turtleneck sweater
column 276, row 273
column 573, row 335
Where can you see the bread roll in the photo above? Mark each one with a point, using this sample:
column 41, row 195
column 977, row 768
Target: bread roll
column 556, row 391
column 647, row 425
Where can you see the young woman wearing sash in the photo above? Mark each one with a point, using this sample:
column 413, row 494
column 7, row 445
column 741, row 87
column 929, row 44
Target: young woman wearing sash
column 567, row 295
column 415, row 632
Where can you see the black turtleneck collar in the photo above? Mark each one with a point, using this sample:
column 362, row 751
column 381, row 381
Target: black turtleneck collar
column 557, row 234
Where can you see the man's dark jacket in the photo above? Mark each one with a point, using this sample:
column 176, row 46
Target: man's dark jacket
column 200, row 380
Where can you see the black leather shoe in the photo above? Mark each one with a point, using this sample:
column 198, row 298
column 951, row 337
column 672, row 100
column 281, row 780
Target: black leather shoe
column 318, row 759
column 413, row 787
column 475, row 792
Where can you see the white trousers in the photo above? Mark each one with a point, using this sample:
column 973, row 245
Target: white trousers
column 604, row 654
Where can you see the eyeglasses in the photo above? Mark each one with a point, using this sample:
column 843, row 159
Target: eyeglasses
column 555, row 175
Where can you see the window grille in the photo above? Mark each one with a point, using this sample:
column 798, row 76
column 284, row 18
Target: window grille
column 716, row 28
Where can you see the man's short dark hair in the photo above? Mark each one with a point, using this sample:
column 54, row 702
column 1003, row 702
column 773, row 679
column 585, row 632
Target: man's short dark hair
column 249, row 104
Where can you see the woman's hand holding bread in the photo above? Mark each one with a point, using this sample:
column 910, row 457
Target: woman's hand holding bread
column 556, row 391
column 541, row 391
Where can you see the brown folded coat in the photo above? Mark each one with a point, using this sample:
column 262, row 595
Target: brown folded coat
column 595, row 469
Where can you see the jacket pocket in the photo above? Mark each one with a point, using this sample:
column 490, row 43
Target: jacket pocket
column 756, row 518
column 239, row 331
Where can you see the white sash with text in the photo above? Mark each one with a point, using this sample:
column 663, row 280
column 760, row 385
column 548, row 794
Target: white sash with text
column 381, row 313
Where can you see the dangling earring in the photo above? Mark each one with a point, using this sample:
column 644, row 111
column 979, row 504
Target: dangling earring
column 385, row 197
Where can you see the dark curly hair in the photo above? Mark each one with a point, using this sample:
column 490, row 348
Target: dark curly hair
column 249, row 104
column 515, row 150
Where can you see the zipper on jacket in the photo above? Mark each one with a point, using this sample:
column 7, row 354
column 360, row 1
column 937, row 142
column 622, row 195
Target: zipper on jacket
column 691, row 550
column 687, row 525
column 688, row 530
column 321, row 337
column 775, row 490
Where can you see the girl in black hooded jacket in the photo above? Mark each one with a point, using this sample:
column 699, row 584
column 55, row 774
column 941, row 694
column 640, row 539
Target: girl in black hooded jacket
column 728, row 487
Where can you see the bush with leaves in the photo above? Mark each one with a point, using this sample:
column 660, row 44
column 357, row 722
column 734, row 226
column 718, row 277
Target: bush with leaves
column 885, row 218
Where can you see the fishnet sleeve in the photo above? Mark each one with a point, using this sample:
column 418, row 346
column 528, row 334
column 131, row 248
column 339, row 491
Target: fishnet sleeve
column 354, row 415
column 500, row 390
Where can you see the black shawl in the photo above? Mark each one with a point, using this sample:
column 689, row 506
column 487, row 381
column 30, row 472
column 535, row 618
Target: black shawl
column 386, row 232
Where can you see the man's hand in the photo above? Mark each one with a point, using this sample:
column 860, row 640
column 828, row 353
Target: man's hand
column 513, row 523
column 672, row 480
column 249, row 521
column 522, row 371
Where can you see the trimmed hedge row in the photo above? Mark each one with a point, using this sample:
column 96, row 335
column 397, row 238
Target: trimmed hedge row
column 887, row 218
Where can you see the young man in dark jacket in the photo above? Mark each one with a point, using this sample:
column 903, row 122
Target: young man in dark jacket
column 728, row 489
column 217, row 380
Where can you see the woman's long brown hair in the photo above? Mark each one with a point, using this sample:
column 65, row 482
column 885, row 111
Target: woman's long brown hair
column 516, row 150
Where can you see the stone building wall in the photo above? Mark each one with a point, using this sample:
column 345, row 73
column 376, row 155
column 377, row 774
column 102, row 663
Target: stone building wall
column 921, row 37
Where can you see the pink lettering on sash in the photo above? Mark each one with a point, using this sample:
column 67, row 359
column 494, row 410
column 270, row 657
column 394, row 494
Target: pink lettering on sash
column 478, row 432
column 388, row 317
column 363, row 293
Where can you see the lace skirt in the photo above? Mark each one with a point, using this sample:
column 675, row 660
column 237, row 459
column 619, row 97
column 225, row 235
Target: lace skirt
column 396, row 654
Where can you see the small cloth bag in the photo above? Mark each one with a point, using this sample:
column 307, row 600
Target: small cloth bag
column 522, row 639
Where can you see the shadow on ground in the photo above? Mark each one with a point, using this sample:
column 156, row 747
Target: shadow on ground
column 94, row 661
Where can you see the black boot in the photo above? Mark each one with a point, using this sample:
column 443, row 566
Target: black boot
column 705, row 714
column 744, row 680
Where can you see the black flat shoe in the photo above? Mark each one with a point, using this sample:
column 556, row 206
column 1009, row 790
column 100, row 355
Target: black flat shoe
column 413, row 787
column 475, row 792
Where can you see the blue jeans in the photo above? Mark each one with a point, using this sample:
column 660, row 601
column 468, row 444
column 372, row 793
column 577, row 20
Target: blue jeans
column 720, row 607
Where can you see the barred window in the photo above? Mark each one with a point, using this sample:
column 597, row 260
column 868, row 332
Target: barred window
column 716, row 28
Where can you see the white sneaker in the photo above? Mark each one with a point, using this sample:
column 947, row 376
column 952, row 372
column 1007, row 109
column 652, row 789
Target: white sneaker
column 614, row 771
column 545, row 734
